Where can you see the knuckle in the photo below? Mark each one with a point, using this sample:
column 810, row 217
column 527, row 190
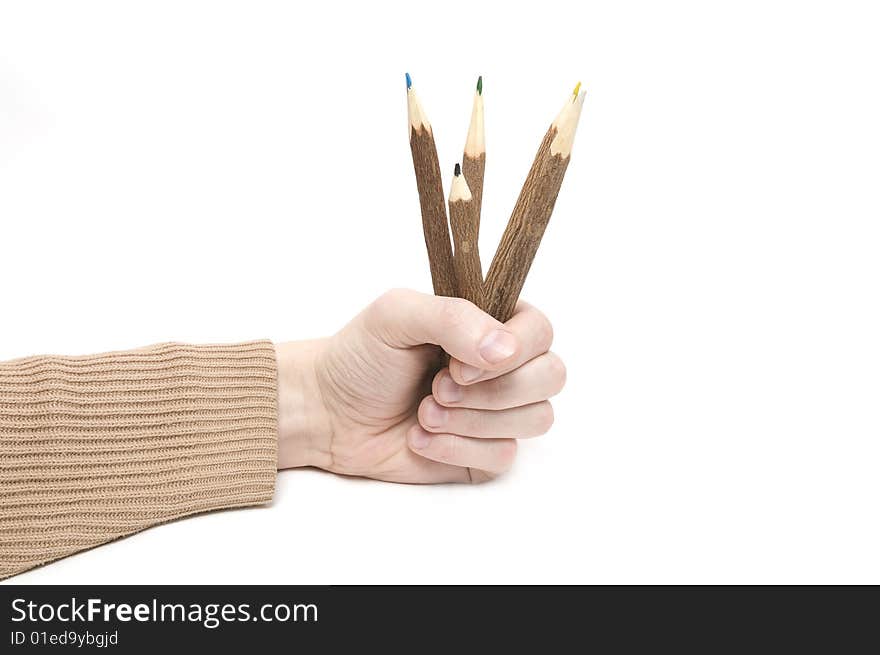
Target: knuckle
column 455, row 311
column 506, row 454
column 545, row 333
column 546, row 417
column 558, row 372
column 392, row 297
column 386, row 302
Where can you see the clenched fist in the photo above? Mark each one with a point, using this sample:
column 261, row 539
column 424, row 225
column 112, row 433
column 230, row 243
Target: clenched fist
column 379, row 399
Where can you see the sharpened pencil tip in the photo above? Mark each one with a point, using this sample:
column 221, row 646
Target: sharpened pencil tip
column 480, row 85
column 577, row 89
column 457, row 170
column 408, row 82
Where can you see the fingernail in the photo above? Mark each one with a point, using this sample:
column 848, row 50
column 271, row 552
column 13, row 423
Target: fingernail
column 469, row 373
column 433, row 415
column 497, row 346
column 448, row 390
column 420, row 438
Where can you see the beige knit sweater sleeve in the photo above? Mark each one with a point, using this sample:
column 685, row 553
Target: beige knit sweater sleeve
column 98, row 447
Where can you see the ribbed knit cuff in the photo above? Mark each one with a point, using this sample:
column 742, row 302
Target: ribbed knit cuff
column 97, row 447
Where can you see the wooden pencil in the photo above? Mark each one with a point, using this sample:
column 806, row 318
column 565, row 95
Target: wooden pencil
column 463, row 220
column 431, row 200
column 527, row 223
column 473, row 162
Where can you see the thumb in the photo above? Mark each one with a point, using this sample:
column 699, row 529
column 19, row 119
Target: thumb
column 403, row 319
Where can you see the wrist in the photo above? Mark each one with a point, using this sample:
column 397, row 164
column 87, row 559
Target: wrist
column 303, row 424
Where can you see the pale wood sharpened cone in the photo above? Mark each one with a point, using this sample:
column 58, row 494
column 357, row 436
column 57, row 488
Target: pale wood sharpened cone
column 473, row 162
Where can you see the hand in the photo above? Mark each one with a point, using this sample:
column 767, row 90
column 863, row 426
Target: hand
column 370, row 401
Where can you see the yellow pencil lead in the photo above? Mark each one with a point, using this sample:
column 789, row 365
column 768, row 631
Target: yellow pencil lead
column 576, row 89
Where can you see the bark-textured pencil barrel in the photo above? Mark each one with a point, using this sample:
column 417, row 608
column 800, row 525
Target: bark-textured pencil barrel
column 532, row 211
column 473, row 163
column 463, row 220
column 430, row 186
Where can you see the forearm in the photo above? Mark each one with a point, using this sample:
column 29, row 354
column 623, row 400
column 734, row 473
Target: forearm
column 94, row 448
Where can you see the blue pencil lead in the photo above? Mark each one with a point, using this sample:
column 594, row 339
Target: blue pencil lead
column 408, row 81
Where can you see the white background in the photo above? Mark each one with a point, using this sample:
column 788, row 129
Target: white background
column 222, row 171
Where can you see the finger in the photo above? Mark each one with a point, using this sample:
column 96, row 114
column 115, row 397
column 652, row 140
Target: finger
column 532, row 331
column 519, row 422
column 404, row 318
column 534, row 381
column 494, row 456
